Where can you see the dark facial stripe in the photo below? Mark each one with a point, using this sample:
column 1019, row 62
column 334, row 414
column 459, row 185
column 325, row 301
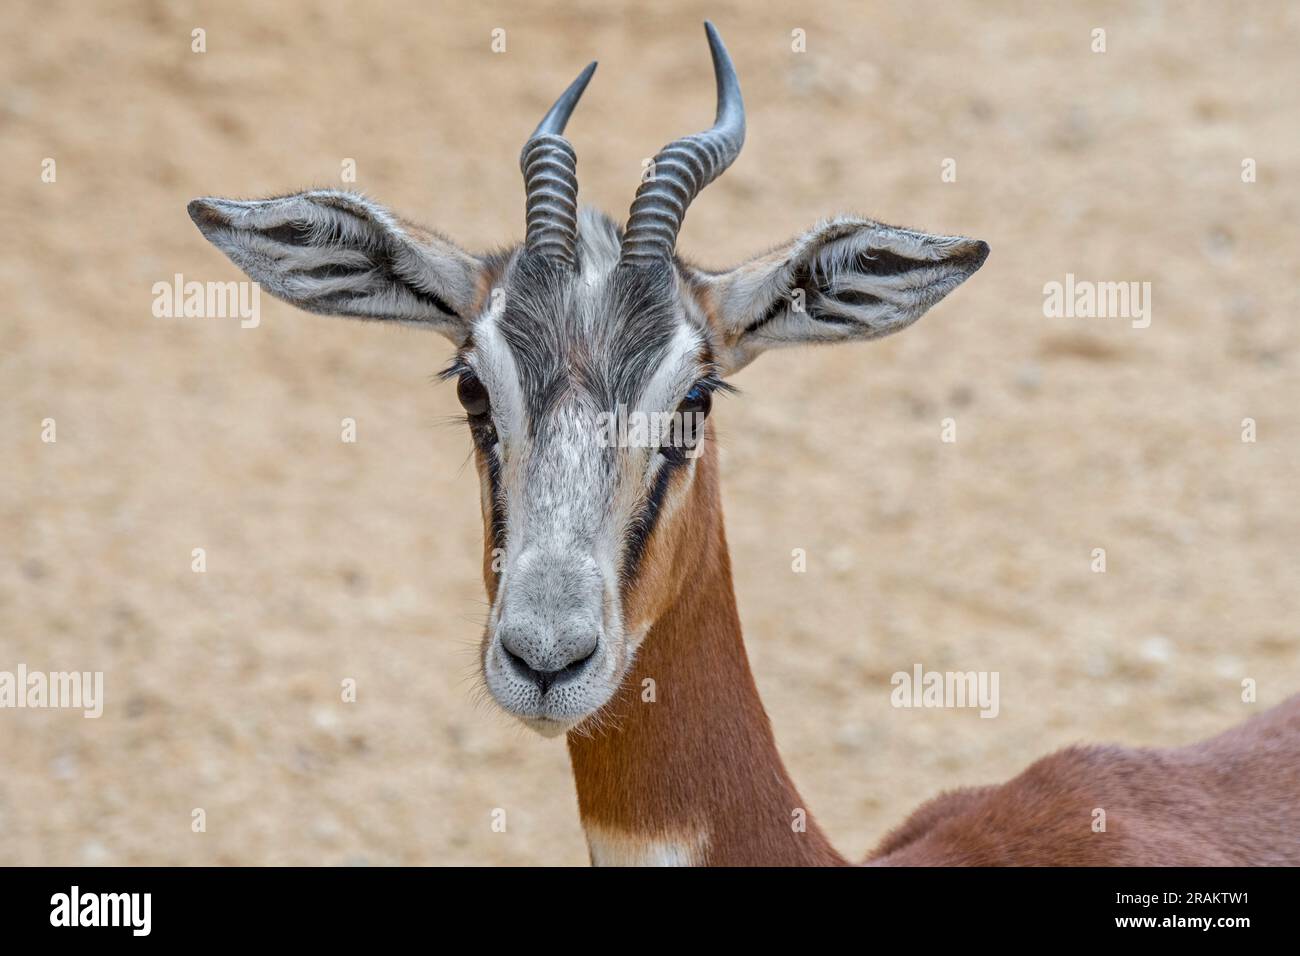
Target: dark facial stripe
column 498, row 521
column 644, row 524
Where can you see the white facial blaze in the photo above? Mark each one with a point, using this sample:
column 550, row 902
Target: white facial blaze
column 675, row 375
column 569, row 499
column 494, row 364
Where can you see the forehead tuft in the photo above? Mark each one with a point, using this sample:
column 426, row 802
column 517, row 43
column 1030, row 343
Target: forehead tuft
column 597, row 333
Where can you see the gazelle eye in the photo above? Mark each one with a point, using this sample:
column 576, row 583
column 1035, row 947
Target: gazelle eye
column 688, row 424
column 473, row 396
column 698, row 402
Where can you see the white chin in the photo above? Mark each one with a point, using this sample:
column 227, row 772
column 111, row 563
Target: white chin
column 548, row 727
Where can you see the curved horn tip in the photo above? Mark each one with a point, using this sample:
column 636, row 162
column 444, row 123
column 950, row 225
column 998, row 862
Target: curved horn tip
column 691, row 163
column 584, row 78
column 730, row 103
column 716, row 46
column 558, row 116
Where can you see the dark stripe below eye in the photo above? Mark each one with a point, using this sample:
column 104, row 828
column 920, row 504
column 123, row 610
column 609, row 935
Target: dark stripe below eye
column 644, row 525
column 498, row 518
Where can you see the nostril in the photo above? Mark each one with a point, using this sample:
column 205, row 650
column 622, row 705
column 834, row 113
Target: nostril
column 545, row 679
column 517, row 663
column 575, row 667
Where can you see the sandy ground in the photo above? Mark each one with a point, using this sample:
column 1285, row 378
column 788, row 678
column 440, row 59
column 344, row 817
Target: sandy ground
column 328, row 561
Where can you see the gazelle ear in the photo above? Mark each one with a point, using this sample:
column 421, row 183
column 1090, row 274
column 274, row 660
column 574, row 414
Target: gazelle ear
column 844, row 279
column 336, row 253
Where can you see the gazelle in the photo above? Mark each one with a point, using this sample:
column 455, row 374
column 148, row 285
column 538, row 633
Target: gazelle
column 606, row 562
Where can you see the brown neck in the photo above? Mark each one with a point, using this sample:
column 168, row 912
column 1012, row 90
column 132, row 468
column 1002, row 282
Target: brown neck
column 694, row 775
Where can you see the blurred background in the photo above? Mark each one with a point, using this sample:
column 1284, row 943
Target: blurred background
column 328, row 560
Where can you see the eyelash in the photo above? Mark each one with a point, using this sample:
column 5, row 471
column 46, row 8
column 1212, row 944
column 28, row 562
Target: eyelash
column 457, row 367
column 483, row 428
column 711, row 383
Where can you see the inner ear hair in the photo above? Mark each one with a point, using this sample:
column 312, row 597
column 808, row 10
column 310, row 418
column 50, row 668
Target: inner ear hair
column 337, row 253
column 844, row 279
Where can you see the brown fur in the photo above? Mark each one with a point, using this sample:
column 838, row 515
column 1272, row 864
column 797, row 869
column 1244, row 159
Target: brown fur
column 702, row 758
column 1233, row 800
column 702, row 755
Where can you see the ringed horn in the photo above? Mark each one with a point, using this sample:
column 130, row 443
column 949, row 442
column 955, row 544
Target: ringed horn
column 550, row 168
column 683, row 168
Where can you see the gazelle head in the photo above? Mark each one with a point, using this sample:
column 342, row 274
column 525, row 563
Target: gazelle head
column 574, row 350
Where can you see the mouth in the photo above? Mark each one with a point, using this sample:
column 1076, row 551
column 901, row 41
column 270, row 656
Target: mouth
column 550, row 707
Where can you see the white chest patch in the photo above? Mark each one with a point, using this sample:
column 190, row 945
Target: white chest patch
column 620, row 848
